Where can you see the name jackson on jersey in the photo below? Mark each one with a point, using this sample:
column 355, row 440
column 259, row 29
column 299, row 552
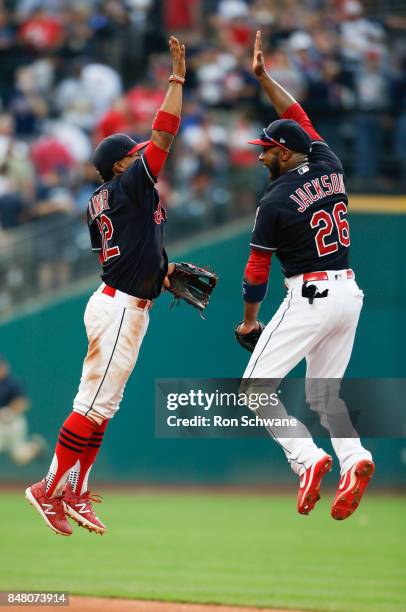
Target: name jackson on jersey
column 317, row 189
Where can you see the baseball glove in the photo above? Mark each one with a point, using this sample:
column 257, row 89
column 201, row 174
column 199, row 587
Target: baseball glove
column 192, row 284
column 248, row 341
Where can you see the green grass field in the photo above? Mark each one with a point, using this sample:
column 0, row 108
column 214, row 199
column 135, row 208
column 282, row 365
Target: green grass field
column 230, row 549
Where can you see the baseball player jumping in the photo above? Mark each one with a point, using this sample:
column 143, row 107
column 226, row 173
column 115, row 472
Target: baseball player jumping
column 302, row 218
column 126, row 222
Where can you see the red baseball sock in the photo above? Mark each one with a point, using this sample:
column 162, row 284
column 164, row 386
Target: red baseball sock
column 73, row 438
column 79, row 475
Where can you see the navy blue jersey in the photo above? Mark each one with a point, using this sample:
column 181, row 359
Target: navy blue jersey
column 302, row 216
column 10, row 389
column 126, row 223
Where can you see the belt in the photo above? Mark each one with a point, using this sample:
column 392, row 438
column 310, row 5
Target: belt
column 320, row 276
column 137, row 302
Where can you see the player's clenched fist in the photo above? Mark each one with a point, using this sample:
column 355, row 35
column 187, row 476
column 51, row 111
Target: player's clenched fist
column 258, row 65
column 178, row 56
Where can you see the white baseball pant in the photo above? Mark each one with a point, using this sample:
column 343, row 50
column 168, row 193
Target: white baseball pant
column 322, row 333
column 115, row 328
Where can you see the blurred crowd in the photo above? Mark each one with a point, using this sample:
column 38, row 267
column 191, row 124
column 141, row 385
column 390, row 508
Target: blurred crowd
column 73, row 72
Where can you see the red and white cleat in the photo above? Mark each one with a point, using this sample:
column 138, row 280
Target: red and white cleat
column 351, row 489
column 308, row 494
column 80, row 509
column 50, row 508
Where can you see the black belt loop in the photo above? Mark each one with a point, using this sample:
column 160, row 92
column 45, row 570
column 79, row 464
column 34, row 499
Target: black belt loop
column 310, row 292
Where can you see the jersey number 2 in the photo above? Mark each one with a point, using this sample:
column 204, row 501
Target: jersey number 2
column 326, row 221
column 106, row 231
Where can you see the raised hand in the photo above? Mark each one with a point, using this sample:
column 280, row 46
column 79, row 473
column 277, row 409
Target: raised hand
column 178, row 56
column 258, row 65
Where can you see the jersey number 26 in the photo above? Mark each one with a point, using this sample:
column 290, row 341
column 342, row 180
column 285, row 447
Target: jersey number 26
column 325, row 221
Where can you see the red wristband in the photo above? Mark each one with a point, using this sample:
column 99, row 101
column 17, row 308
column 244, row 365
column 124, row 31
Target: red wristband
column 166, row 122
column 177, row 79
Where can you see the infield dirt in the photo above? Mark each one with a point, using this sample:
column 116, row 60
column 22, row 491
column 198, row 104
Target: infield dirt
column 90, row 604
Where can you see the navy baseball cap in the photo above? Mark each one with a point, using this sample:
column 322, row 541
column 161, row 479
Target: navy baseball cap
column 285, row 133
column 112, row 149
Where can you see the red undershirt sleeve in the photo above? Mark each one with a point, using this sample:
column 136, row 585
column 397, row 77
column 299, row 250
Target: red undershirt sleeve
column 257, row 268
column 296, row 112
column 155, row 158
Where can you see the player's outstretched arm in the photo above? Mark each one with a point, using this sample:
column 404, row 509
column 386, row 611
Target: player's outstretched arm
column 280, row 98
column 284, row 103
column 167, row 120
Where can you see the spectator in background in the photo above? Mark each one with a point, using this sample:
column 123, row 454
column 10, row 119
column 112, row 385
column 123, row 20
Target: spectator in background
column 102, row 84
column 304, row 55
column 116, row 37
column 289, row 16
column 14, row 437
column 142, row 100
column 49, row 154
column 25, row 8
column 54, row 215
column 17, row 179
column 329, row 96
column 228, row 10
column 287, row 73
column 235, row 26
column 86, row 182
column 79, row 40
column 372, row 90
column 200, row 171
column 75, row 140
column 9, row 59
column 263, row 14
column 246, row 178
column 86, row 95
column 358, row 34
column 212, row 66
column 181, row 15
column 41, row 30
column 239, row 88
column 118, row 119
column 28, row 103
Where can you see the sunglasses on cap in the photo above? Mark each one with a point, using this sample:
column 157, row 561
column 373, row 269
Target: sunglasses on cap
column 266, row 141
